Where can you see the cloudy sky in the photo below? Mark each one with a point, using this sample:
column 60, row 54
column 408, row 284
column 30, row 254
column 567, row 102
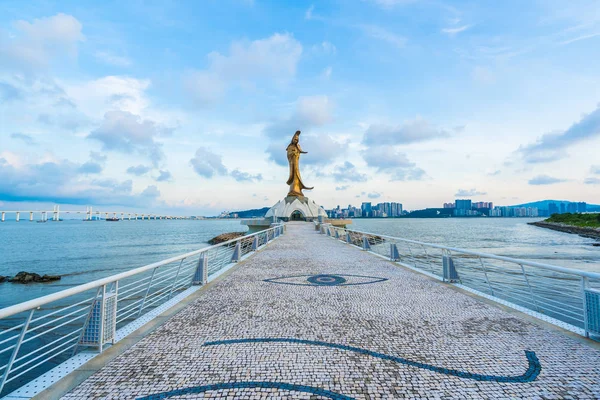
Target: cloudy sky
column 187, row 107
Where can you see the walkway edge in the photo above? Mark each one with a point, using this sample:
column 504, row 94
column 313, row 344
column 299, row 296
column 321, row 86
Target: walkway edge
column 493, row 301
column 98, row 361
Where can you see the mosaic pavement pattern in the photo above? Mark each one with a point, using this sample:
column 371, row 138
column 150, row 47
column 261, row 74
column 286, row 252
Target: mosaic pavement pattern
column 404, row 337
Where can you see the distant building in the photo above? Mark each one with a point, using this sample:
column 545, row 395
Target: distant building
column 449, row 205
column 553, row 209
column 572, row 208
column 562, row 208
column 483, row 204
column 581, row 207
column 462, row 208
column 367, row 209
column 463, row 204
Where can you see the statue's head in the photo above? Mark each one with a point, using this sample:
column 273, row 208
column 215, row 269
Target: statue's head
column 296, row 137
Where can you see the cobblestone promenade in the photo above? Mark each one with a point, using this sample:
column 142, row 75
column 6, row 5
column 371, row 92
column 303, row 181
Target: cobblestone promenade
column 309, row 317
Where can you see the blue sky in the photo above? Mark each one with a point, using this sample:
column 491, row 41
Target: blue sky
column 187, row 107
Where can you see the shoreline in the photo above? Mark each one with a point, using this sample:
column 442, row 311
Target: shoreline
column 590, row 233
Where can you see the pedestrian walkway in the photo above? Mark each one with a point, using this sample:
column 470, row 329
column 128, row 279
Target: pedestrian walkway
column 309, row 317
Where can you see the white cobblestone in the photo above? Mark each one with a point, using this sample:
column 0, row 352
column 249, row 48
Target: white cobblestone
column 407, row 316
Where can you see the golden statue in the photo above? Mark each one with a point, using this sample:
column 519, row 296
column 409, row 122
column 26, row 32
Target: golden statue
column 293, row 155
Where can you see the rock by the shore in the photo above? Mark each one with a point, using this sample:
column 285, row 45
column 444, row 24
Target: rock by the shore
column 31, row 277
column 591, row 233
column 2, row 278
column 224, row 237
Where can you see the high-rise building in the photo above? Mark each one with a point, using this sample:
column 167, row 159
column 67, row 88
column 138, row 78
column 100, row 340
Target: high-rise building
column 562, row 208
column 449, row 205
column 572, row 208
column 581, row 207
column 553, row 209
column 367, row 209
column 463, row 204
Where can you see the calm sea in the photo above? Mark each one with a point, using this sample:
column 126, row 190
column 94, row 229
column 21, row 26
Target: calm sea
column 510, row 237
column 85, row 251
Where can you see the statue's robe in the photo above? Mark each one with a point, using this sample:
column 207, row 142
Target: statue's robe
column 294, row 180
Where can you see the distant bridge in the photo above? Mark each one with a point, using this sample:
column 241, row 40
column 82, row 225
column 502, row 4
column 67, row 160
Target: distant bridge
column 90, row 214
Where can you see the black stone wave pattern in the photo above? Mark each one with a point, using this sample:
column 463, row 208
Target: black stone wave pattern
column 529, row 375
column 337, row 280
column 248, row 385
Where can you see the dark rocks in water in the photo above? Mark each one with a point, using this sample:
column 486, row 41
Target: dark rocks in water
column 31, row 277
column 2, row 278
column 224, row 237
column 593, row 244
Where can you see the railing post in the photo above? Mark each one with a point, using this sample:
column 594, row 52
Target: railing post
column 584, row 284
column 16, row 350
column 337, row 234
column 237, row 252
column 449, row 270
column 486, row 276
column 147, row 291
column 366, row 245
column 102, row 316
column 348, row 238
column 530, row 290
column 394, row 253
column 255, row 243
column 201, row 274
column 175, row 280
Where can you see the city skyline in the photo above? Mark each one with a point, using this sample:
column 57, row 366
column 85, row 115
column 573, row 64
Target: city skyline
column 187, row 109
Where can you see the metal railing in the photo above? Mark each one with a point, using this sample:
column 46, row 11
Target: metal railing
column 563, row 296
column 38, row 334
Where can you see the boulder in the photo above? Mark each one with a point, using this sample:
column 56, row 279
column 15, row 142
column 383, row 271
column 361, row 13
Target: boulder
column 30, row 277
column 2, row 278
column 224, row 237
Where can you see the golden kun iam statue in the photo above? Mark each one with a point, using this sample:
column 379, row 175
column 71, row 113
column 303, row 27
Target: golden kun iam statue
column 293, row 155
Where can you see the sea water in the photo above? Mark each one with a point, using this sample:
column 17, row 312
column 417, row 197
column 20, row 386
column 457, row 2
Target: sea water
column 85, row 251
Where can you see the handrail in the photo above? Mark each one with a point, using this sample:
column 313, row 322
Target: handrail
column 95, row 323
column 587, row 274
column 505, row 279
column 40, row 301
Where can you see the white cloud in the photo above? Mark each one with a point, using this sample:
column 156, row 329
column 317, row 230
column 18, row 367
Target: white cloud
column 316, row 110
column 469, row 193
column 397, row 164
column 582, row 37
column 347, row 172
column 112, row 92
column 551, row 146
column 112, row 59
column 125, row 132
column 309, row 13
column 455, row 30
column 272, row 59
column 36, row 44
column 380, row 33
column 241, row 176
column 545, row 180
column 206, row 163
column 413, row 131
column 325, row 47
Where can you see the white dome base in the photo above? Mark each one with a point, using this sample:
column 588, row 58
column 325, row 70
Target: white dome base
column 308, row 208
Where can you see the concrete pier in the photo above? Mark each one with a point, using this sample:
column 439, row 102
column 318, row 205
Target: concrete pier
column 310, row 317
